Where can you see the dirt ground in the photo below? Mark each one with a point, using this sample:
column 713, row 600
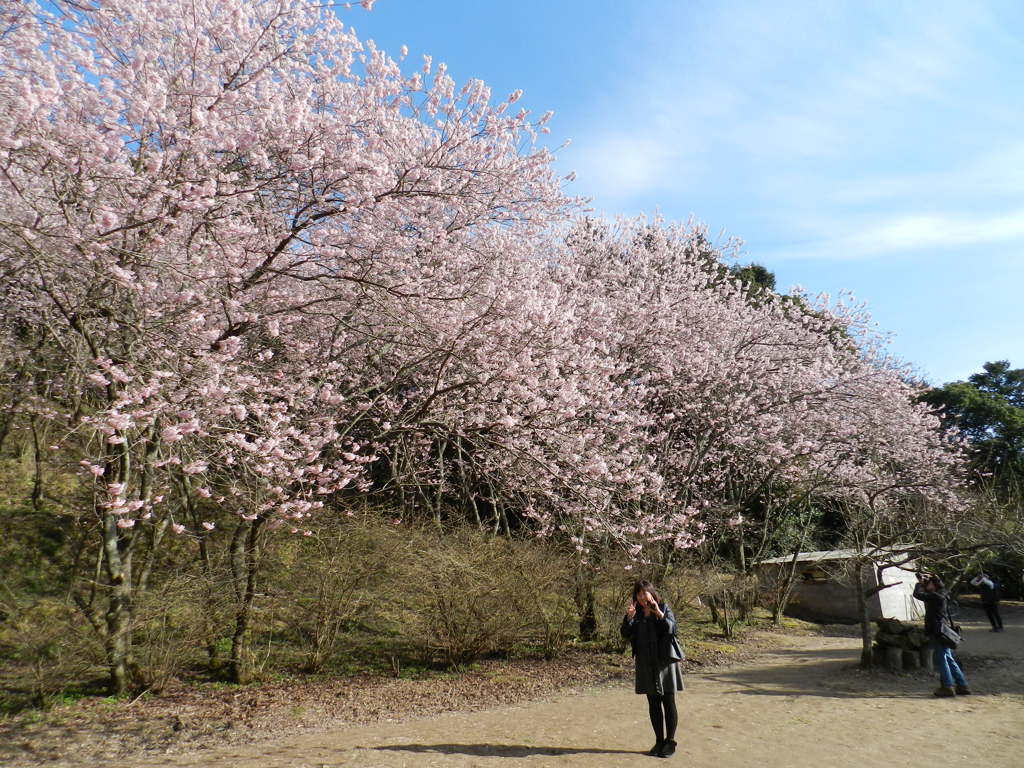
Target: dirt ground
column 802, row 703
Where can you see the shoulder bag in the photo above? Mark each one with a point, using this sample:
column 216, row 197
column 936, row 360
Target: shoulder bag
column 950, row 634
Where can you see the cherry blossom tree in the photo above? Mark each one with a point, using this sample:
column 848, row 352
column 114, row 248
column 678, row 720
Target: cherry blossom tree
column 252, row 269
column 216, row 212
column 788, row 392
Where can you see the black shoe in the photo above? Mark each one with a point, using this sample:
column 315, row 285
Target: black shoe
column 667, row 749
column 656, row 749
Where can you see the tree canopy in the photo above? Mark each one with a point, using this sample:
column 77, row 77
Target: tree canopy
column 255, row 273
column 988, row 409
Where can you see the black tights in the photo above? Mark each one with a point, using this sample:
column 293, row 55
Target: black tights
column 664, row 717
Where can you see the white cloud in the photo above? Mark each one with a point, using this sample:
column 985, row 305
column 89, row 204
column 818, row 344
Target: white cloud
column 932, row 231
column 742, row 86
column 993, row 174
column 835, row 132
column 618, row 166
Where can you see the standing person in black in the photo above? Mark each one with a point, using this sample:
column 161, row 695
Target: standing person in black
column 650, row 626
column 988, row 588
column 932, row 592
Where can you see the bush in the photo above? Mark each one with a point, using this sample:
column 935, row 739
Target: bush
column 730, row 597
column 611, row 585
column 45, row 650
column 329, row 582
column 171, row 624
column 467, row 594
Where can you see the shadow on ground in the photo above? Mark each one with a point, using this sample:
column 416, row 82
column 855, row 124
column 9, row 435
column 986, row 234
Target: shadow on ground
column 828, row 673
column 987, row 659
column 499, row 750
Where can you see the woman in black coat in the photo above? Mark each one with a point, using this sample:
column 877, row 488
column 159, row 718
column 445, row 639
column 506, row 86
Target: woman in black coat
column 650, row 627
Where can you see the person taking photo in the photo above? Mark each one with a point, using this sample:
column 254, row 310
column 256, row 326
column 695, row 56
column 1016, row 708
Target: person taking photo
column 932, row 592
column 650, row 627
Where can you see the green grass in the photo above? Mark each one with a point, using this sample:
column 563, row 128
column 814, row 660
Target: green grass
column 714, row 647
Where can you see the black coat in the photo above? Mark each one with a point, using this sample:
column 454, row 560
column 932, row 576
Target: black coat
column 653, row 638
column 989, row 592
column 936, row 608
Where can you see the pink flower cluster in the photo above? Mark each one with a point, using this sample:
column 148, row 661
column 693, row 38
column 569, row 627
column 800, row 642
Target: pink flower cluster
column 262, row 268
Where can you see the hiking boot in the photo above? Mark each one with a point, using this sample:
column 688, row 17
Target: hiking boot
column 667, row 749
column 945, row 690
column 963, row 690
column 656, row 749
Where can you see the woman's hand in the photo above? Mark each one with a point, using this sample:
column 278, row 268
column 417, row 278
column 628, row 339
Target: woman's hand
column 651, row 605
column 631, row 610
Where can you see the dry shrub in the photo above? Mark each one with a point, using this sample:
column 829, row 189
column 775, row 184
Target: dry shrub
column 546, row 588
column 467, row 594
column 686, row 588
column 171, row 623
column 333, row 578
column 730, row 597
column 46, row 648
column 612, row 585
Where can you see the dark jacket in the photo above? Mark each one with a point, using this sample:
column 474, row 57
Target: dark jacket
column 936, row 607
column 652, row 637
column 988, row 589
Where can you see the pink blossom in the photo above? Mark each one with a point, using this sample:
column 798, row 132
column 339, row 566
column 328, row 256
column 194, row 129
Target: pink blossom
column 418, row 284
column 108, row 219
column 97, row 379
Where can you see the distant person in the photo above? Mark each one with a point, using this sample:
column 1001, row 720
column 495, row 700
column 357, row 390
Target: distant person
column 932, row 592
column 650, row 626
column 988, row 588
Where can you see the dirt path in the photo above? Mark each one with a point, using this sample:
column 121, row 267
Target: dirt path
column 802, row 704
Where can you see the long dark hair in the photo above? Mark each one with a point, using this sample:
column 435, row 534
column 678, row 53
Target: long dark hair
column 645, row 586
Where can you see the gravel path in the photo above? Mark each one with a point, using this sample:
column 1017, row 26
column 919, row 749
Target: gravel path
column 800, row 704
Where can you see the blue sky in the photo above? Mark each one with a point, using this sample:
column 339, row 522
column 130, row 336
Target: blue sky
column 873, row 147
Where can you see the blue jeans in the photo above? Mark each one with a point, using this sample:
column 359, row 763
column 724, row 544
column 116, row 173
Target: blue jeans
column 946, row 666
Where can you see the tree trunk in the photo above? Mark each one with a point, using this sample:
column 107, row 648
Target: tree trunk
column 467, row 490
column 157, row 531
column 37, row 471
column 712, row 602
column 210, row 590
column 787, row 586
column 439, row 495
column 244, row 567
column 743, row 548
column 585, row 604
column 119, row 609
column 866, row 659
column 782, row 598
